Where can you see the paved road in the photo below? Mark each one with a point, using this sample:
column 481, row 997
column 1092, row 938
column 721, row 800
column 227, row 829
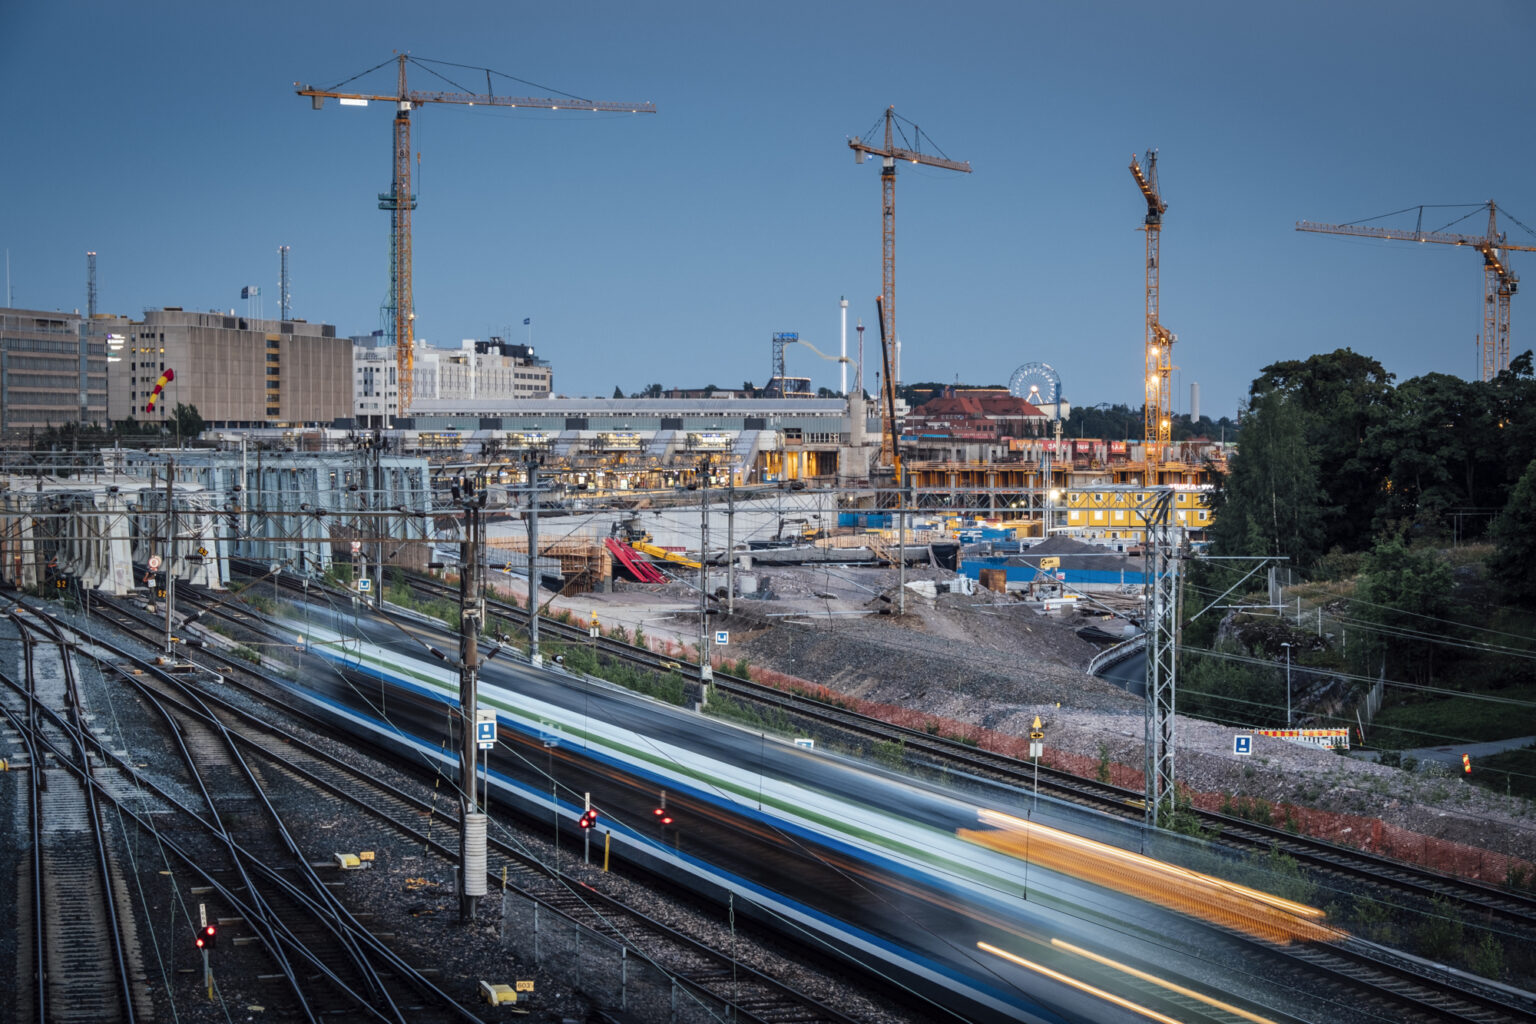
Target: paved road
column 1452, row 754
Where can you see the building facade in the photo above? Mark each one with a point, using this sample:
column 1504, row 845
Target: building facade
column 53, row 370
column 237, row 371
column 476, row 372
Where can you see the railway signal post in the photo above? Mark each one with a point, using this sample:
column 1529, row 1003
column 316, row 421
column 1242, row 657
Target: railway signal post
column 472, row 820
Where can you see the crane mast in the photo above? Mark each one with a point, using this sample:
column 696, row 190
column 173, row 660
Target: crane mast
column 889, row 154
column 399, row 200
column 1157, row 428
column 1499, row 280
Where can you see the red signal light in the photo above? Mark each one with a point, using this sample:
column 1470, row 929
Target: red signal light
column 589, row 818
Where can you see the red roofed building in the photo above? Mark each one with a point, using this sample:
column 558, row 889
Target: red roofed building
column 984, row 417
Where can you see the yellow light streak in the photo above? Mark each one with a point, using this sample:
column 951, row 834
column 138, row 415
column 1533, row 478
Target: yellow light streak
column 1108, row 997
column 1170, row 986
column 1251, row 911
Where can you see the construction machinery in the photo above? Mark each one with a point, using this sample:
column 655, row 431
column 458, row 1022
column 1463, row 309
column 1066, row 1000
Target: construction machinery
column 1157, row 429
column 400, row 201
column 889, row 153
column 1499, row 281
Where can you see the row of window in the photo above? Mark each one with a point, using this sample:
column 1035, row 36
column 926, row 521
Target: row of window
column 1118, row 517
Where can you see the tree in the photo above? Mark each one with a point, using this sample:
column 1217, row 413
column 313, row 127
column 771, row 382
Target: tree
column 189, row 423
column 1341, row 394
column 1513, row 562
column 618, row 392
column 1407, row 593
column 1271, row 501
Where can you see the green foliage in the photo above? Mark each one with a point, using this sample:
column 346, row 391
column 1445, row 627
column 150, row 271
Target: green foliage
column 1440, row 934
column 244, row 653
column 1271, row 501
column 1248, row 808
column 1512, row 772
column 891, row 753
column 1101, row 772
column 1179, row 815
column 1486, row 956
column 1408, row 595
column 723, row 705
column 1513, row 563
column 1236, row 692
column 1339, row 395
column 188, row 423
column 1285, row 878
column 1431, row 722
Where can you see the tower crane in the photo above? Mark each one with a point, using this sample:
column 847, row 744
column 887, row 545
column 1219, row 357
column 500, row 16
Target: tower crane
column 1157, row 414
column 889, row 154
column 1499, row 281
column 400, row 201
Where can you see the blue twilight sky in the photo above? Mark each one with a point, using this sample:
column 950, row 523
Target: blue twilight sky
column 167, row 137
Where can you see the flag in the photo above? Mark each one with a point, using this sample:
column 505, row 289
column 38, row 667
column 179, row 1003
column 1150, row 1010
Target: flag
column 527, row 321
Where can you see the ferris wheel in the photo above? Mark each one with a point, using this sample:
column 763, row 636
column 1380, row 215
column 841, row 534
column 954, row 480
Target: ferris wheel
column 1038, row 384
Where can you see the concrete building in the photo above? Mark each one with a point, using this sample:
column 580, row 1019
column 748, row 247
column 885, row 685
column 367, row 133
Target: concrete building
column 53, row 370
column 476, row 372
column 238, row 371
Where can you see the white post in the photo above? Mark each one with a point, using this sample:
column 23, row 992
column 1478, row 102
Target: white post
column 844, row 366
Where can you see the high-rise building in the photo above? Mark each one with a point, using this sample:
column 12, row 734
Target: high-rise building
column 53, row 370
column 237, row 371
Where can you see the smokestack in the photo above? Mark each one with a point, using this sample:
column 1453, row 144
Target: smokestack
column 1194, row 402
column 844, row 364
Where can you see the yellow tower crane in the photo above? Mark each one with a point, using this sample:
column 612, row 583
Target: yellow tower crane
column 400, row 201
column 1499, row 281
column 1157, row 414
column 889, row 154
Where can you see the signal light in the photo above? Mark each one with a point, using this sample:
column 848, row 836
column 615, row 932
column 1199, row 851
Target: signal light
column 1466, row 763
column 208, row 937
column 588, row 818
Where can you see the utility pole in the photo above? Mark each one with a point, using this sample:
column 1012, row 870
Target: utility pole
column 381, row 524
column 531, row 464
column 170, row 555
column 706, row 673
column 730, row 540
column 472, row 819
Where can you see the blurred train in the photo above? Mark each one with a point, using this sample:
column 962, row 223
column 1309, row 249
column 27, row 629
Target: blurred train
column 895, row 881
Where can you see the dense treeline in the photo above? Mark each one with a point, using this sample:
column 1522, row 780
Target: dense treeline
column 1332, row 457
column 1411, row 509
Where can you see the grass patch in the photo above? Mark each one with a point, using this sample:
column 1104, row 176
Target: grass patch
column 1433, row 723
column 1511, row 772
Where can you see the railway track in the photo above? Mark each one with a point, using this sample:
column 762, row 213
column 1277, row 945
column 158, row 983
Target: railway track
column 1508, row 908
column 83, row 968
column 750, row 995
column 1403, row 988
column 249, row 864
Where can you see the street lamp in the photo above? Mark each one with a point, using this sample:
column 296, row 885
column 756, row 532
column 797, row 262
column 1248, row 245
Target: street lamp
column 1287, row 647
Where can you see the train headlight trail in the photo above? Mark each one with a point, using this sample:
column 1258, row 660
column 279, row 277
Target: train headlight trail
column 1108, row 997
column 1253, row 912
column 1153, row 979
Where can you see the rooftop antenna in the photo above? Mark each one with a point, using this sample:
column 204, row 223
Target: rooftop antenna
column 90, row 281
column 284, row 300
